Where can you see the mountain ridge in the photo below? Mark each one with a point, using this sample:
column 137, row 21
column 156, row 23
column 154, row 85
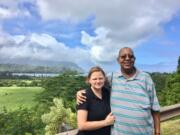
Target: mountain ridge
column 43, row 67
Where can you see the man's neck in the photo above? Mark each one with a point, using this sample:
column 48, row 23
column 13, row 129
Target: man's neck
column 128, row 73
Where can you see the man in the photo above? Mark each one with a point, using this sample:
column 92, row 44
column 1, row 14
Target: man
column 133, row 99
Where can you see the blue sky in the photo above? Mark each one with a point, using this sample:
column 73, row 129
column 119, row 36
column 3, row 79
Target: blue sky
column 91, row 33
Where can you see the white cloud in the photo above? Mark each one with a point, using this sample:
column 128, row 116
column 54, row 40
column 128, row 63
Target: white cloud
column 5, row 13
column 18, row 38
column 39, row 47
column 117, row 23
column 102, row 48
column 5, row 39
column 64, row 9
column 12, row 8
column 124, row 22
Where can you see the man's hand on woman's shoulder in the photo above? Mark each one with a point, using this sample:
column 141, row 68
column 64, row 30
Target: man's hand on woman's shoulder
column 80, row 97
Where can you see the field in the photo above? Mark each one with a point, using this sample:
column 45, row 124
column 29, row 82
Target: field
column 14, row 97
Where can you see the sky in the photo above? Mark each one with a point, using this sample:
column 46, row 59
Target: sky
column 90, row 33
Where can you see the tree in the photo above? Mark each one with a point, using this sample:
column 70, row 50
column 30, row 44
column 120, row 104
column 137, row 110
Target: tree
column 64, row 86
column 178, row 67
column 172, row 94
column 21, row 122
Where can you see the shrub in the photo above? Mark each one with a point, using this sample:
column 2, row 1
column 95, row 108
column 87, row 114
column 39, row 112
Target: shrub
column 57, row 116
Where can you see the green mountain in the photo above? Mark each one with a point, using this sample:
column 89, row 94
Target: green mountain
column 53, row 68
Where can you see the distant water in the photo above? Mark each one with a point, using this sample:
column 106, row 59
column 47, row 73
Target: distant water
column 36, row 74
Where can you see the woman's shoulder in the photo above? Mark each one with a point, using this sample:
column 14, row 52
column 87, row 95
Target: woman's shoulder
column 106, row 89
column 89, row 92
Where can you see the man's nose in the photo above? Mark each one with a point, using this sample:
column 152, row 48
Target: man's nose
column 127, row 57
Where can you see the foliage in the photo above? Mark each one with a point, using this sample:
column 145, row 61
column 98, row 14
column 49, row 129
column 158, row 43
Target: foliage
column 168, row 86
column 172, row 94
column 21, row 122
column 64, row 86
column 57, row 116
column 178, row 67
column 172, row 89
column 159, row 80
column 20, row 82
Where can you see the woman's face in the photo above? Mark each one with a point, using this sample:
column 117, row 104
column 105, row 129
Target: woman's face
column 97, row 80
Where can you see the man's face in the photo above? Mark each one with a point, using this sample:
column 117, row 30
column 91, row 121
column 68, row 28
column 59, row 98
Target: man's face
column 126, row 59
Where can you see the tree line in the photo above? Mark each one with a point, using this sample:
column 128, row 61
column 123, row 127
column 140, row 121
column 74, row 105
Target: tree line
column 59, row 94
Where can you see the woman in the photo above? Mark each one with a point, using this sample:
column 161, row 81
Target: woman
column 93, row 115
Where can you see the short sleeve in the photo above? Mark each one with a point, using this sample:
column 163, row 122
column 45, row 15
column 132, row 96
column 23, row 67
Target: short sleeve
column 153, row 97
column 84, row 105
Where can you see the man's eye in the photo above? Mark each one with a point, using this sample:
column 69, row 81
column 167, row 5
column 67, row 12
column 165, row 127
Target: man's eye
column 129, row 56
column 123, row 57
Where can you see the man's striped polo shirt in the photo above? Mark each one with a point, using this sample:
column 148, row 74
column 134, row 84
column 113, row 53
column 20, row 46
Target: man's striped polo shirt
column 131, row 102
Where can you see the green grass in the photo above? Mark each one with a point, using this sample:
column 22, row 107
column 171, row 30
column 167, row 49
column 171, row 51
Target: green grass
column 171, row 127
column 14, row 97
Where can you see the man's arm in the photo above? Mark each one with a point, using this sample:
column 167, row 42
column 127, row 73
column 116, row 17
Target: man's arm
column 80, row 97
column 156, row 118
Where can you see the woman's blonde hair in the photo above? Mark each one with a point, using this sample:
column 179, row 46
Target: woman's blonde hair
column 95, row 69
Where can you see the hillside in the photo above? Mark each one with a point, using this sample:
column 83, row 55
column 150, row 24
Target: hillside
column 53, row 68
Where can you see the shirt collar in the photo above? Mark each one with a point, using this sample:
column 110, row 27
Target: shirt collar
column 134, row 77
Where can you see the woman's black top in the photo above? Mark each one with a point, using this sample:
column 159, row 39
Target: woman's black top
column 97, row 109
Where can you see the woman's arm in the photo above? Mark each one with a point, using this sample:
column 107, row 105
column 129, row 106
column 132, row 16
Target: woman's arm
column 83, row 124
